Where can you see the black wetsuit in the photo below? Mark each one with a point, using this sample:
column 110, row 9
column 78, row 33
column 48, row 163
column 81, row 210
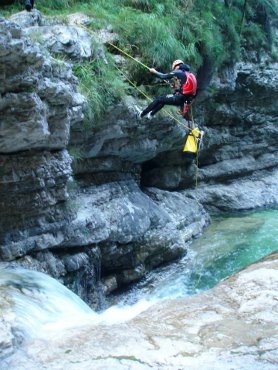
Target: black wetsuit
column 177, row 98
column 29, row 5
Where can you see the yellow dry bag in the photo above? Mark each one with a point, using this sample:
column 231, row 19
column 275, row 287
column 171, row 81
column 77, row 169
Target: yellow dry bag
column 192, row 142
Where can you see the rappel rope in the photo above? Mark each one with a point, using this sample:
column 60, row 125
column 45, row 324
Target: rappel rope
column 197, row 153
column 148, row 98
column 137, row 88
column 143, row 65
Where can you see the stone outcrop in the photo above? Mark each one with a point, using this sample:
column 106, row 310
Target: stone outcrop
column 32, row 188
column 115, row 227
column 38, row 95
column 70, row 41
column 27, row 19
column 232, row 326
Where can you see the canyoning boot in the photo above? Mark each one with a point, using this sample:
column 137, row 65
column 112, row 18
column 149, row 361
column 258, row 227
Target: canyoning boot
column 138, row 112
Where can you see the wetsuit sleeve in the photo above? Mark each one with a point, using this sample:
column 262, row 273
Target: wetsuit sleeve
column 167, row 76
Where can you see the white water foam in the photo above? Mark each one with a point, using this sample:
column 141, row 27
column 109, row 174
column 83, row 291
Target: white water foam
column 42, row 305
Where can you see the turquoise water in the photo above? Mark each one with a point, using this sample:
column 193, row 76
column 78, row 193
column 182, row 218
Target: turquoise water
column 232, row 243
column 227, row 245
column 42, row 306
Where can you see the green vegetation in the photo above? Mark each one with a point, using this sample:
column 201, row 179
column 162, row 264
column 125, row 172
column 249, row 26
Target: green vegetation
column 76, row 153
column 101, row 83
column 158, row 32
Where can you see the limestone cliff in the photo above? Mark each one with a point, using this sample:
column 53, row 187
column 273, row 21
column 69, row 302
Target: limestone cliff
column 132, row 206
column 113, row 226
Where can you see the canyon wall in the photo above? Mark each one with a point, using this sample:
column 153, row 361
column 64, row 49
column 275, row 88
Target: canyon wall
column 130, row 203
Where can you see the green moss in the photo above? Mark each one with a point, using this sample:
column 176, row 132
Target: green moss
column 76, row 153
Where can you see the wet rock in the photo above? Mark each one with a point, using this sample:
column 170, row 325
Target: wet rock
column 109, row 284
column 6, row 338
column 260, row 190
column 231, row 326
column 133, row 230
column 137, row 231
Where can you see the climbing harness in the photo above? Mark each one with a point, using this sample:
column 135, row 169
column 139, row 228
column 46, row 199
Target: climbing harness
column 185, row 112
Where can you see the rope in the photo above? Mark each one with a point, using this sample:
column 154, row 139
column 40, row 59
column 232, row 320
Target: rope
column 148, row 98
column 169, row 114
column 191, row 114
column 197, row 169
column 128, row 55
column 137, row 88
column 143, row 65
column 197, row 153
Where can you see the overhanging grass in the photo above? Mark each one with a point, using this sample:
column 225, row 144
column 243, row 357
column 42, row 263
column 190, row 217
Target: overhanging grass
column 101, row 84
column 158, row 32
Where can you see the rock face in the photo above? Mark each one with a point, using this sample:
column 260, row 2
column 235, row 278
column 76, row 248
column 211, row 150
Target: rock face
column 239, row 153
column 71, row 41
column 133, row 232
column 132, row 205
column 232, row 326
column 38, row 96
column 32, row 188
column 38, row 103
column 114, row 227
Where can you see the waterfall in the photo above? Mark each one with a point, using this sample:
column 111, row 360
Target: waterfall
column 41, row 305
column 38, row 300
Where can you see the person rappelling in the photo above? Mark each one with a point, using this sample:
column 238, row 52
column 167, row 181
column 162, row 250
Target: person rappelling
column 185, row 89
